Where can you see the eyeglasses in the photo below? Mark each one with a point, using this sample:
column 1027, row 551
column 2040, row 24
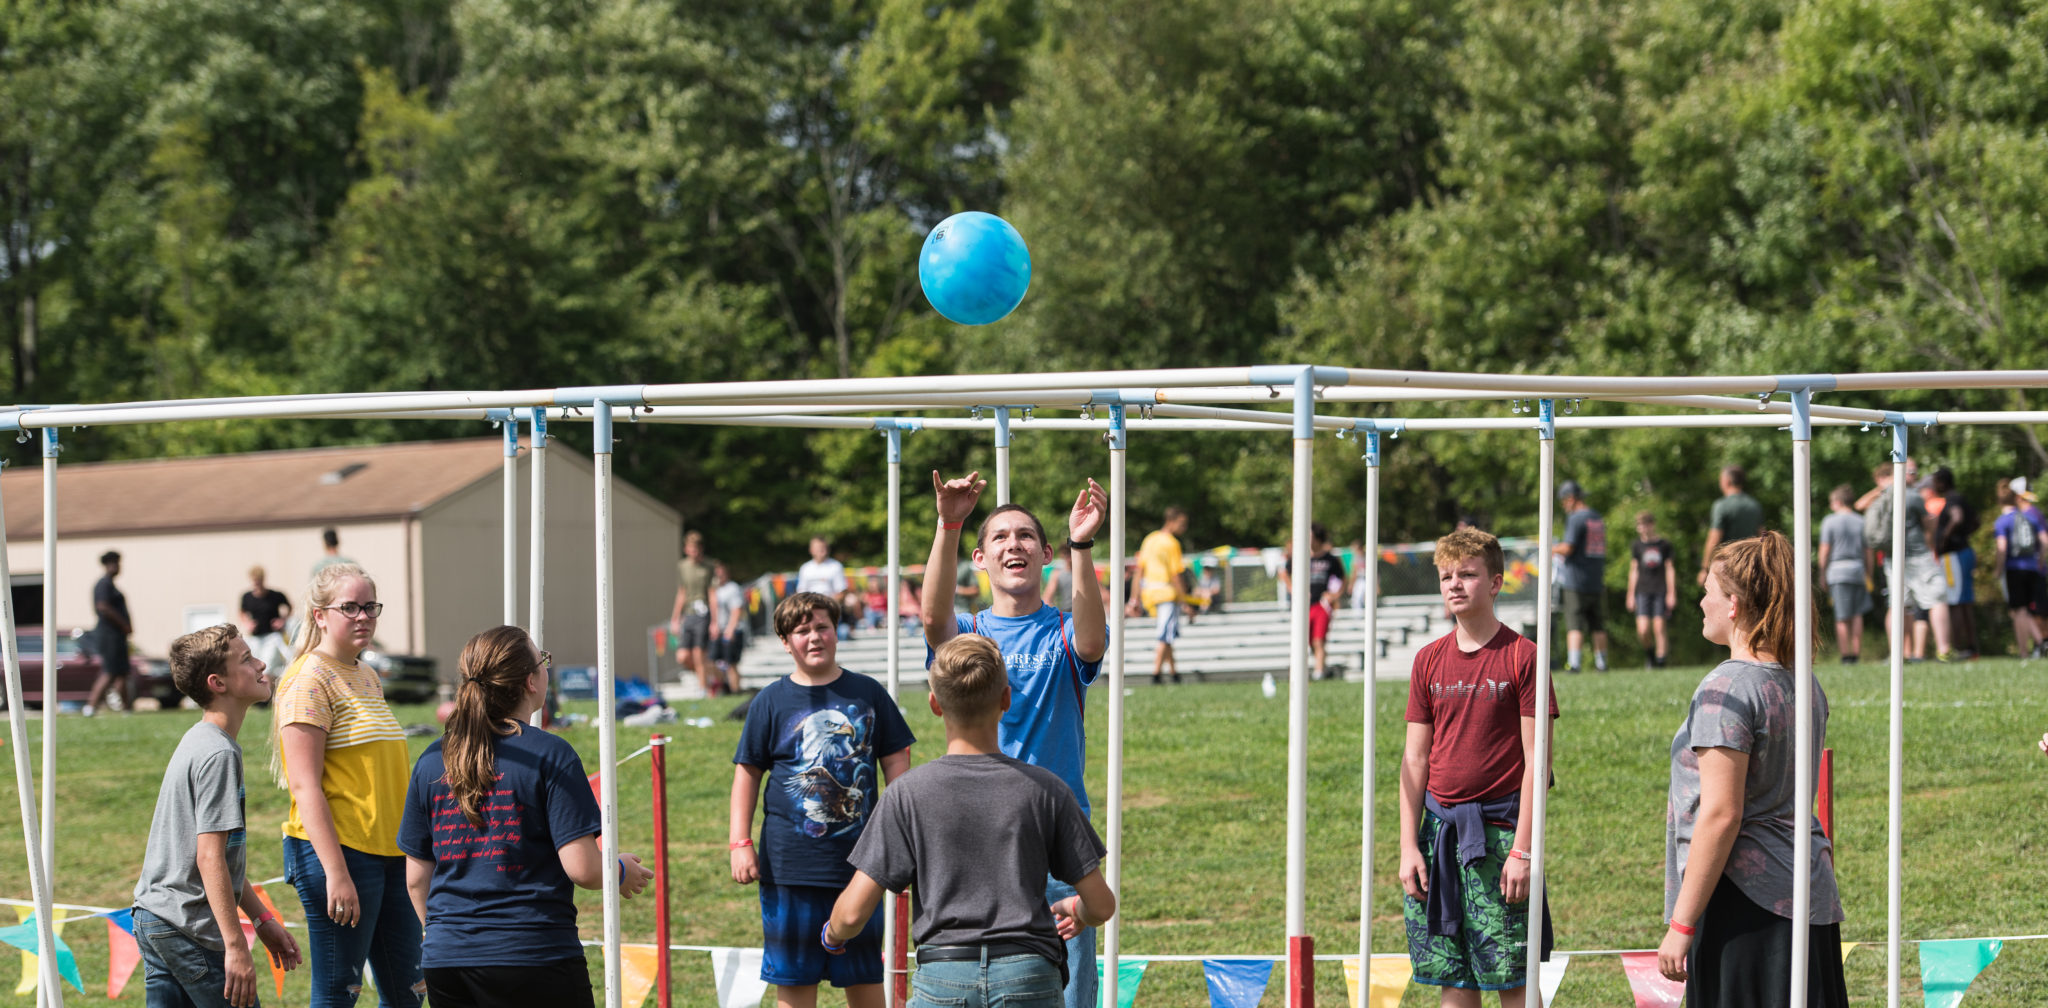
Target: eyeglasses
column 357, row 610
column 546, row 660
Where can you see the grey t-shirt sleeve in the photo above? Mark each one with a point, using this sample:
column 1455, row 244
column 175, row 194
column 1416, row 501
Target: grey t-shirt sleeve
column 1726, row 715
column 884, row 852
column 1076, row 848
column 217, row 792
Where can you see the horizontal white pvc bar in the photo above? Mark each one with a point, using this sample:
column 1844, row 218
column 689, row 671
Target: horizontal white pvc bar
column 1783, row 406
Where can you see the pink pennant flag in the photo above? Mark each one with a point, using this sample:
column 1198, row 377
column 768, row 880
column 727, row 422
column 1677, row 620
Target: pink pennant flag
column 122, row 958
column 1652, row 989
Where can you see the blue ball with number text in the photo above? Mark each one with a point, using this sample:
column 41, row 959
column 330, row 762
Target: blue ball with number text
column 974, row 268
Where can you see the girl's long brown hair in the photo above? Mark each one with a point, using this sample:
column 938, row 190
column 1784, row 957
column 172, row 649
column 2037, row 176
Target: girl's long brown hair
column 495, row 666
column 1759, row 572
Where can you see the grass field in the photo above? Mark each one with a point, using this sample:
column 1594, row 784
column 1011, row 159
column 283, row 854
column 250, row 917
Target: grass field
column 1206, row 808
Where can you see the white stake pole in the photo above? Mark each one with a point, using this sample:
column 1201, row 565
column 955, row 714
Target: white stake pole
column 50, row 632
column 536, row 545
column 1113, row 611
column 24, row 776
column 1546, row 489
column 1895, row 776
column 1368, row 567
column 607, row 702
column 1300, row 946
column 511, row 545
column 895, row 659
column 1802, row 688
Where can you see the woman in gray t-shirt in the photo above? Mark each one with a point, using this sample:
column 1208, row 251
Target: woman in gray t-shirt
column 1728, row 871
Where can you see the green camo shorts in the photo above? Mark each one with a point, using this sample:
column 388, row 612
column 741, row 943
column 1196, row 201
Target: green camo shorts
column 1491, row 950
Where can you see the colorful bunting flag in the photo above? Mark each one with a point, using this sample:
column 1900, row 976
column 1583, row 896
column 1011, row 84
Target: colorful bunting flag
column 637, row 969
column 1129, row 973
column 1947, row 968
column 1846, row 947
column 1553, row 974
column 1236, row 983
column 1651, row 988
column 122, row 954
column 249, row 931
column 1390, row 974
column 738, row 973
column 23, row 936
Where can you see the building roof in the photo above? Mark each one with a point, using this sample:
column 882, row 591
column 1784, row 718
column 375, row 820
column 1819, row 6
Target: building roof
column 298, row 487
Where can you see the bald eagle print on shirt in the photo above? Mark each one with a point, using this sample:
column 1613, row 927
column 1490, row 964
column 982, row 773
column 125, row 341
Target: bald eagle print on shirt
column 834, row 778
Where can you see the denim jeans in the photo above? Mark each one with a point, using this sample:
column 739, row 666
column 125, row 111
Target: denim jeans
column 1080, row 954
column 1015, row 981
column 176, row 971
column 388, row 937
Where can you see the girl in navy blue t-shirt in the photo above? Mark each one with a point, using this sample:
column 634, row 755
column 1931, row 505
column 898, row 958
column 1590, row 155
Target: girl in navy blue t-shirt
column 499, row 824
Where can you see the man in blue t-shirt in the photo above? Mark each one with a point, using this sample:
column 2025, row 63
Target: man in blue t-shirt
column 820, row 736
column 1051, row 655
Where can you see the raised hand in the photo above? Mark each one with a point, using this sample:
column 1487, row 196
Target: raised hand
column 957, row 497
column 1091, row 509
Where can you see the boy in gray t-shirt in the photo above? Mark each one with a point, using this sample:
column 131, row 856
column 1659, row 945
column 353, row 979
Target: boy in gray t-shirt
column 1841, row 561
column 973, row 835
column 193, row 867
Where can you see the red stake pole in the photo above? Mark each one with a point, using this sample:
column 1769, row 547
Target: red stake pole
column 660, row 772
column 900, row 969
column 1825, row 794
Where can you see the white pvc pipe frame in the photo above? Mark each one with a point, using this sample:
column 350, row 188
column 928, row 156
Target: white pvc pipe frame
column 1176, row 395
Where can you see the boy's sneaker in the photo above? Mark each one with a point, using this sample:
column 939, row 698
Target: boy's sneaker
column 1946, row 657
column 87, row 710
column 1572, row 669
column 1599, row 663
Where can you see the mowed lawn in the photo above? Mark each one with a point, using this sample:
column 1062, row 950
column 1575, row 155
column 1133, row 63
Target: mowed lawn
column 1205, row 816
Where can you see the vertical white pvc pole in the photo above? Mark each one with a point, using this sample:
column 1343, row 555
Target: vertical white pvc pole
column 1002, row 455
column 1113, row 611
column 1300, row 947
column 1368, row 565
column 24, row 775
column 50, row 630
column 1546, row 489
column 511, row 518
column 895, row 436
column 1896, row 756
column 1802, row 688
column 536, row 545
column 895, row 659
column 607, row 702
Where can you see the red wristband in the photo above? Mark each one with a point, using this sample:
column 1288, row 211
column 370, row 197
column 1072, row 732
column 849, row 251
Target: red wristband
column 1518, row 854
column 1685, row 929
column 265, row 919
column 952, row 526
column 737, row 844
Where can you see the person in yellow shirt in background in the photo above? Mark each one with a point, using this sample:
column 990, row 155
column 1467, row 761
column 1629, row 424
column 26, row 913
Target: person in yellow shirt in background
column 1164, row 588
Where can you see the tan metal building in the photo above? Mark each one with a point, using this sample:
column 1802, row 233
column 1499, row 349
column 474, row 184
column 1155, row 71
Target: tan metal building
column 424, row 519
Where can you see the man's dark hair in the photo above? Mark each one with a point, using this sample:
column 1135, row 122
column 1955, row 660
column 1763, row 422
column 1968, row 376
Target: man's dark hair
column 1736, row 476
column 109, row 557
column 330, row 538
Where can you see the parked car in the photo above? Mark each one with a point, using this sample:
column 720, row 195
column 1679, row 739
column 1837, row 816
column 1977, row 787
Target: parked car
column 407, row 678
column 77, row 668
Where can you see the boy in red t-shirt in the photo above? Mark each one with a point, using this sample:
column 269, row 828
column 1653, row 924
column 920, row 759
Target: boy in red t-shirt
column 1468, row 758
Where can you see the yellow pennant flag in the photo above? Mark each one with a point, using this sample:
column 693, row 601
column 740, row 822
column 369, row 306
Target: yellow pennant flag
column 1846, row 946
column 637, row 965
column 30, row 968
column 1389, row 978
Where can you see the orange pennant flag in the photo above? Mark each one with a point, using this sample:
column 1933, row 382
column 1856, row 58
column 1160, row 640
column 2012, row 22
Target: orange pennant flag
column 636, row 973
column 122, row 958
column 276, row 968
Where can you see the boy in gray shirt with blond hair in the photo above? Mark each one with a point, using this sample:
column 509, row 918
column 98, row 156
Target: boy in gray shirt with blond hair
column 194, row 867
column 973, row 835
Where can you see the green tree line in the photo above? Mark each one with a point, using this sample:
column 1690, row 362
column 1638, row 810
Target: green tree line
column 224, row 197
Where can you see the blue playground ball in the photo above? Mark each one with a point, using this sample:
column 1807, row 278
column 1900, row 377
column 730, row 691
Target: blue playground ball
column 974, row 268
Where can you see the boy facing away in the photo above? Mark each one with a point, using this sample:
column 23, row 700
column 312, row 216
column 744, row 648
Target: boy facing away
column 1469, row 758
column 973, row 835
column 818, row 736
column 1652, row 589
column 193, row 869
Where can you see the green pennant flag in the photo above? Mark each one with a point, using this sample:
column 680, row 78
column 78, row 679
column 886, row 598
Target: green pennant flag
column 1948, row 967
column 1128, row 975
column 23, row 937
